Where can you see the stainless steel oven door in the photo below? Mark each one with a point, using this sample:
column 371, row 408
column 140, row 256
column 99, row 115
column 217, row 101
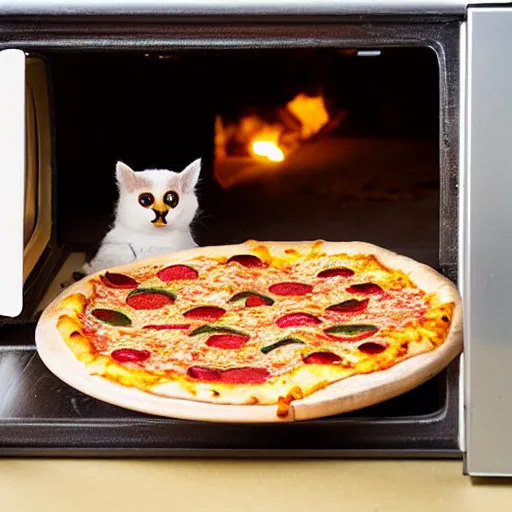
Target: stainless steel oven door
column 486, row 242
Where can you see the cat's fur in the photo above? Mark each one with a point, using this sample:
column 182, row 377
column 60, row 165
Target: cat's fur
column 133, row 236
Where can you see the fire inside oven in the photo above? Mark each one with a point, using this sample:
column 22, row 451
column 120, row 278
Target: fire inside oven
column 303, row 144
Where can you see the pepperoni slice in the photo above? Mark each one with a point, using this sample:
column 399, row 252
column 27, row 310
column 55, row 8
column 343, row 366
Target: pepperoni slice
column 200, row 373
column 370, row 347
column 297, row 319
column 350, row 306
column 246, row 260
column 365, row 288
column 246, row 375
column 168, row 327
column 255, row 301
column 335, row 272
column 109, row 316
column 227, row 341
column 322, row 358
column 130, row 355
column 177, row 273
column 290, row 289
column 114, row 280
column 149, row 298
column 205, row 313
column 252, row 299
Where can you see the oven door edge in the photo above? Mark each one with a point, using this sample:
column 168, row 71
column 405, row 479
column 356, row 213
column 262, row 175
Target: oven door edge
column 12, row 179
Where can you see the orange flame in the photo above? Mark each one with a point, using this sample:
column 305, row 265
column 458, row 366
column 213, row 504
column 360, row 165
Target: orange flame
column 265, row 143
column 267, row 149
column 311, row 112
column 302, row 118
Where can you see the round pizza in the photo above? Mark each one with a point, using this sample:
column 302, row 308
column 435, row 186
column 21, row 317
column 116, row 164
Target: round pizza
column 296, row 329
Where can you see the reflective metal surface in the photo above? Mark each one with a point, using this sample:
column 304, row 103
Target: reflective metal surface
column 237, row 7
column 487, row 243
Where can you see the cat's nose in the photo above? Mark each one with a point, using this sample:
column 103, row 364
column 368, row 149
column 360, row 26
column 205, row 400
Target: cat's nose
column 160, row 215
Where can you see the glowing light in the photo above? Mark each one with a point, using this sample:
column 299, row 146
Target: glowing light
column 252, row 136
column 267, row 149
column 311, row 112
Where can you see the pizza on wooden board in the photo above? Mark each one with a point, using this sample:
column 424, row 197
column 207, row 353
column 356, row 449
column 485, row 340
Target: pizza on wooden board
column 330, row 326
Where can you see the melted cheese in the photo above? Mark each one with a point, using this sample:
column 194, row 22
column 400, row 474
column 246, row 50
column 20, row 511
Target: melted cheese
column 401, row 313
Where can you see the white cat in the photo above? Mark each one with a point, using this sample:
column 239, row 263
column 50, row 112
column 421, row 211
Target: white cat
column 153, row 215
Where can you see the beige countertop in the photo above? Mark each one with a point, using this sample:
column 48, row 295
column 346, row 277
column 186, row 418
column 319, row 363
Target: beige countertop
column 231, row 485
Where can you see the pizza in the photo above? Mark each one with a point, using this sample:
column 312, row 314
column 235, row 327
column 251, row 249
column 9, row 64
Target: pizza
column 260, row 323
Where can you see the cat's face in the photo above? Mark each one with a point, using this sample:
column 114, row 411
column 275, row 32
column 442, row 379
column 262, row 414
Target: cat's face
column 156, row 201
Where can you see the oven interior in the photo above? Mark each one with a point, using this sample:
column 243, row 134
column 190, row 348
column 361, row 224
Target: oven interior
column 303, row 144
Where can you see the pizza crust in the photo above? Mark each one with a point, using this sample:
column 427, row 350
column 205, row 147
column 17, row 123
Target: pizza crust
column 179, row 399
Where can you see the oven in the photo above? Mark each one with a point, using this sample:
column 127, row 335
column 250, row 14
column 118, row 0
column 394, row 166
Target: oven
column 403, row 141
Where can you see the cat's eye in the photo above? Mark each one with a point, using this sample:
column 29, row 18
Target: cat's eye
column 146, row 199
column 171, row 199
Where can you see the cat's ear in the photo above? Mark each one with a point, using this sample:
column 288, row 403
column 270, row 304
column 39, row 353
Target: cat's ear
column 127, row 178
column 190, row 175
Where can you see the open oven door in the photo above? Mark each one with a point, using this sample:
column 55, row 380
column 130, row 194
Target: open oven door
column 12, row 180
column 25, row 184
